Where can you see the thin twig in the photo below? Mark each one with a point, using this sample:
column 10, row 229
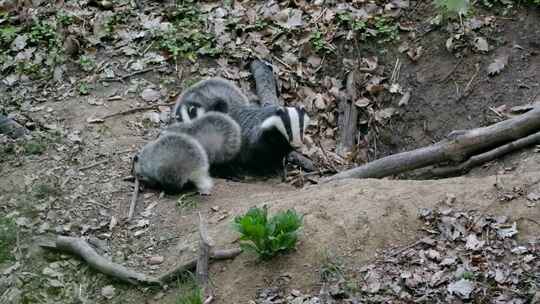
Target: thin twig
column 205, row 245
column 451, row 71
column 124, row 77
column 326, row 157
column 133, row 203
column 139, row 109
column 101, row 162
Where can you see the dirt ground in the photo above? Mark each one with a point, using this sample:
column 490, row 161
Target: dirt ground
column 352, row 218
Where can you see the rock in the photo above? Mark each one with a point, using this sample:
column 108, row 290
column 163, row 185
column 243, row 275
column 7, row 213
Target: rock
column 155, row 260
column 108, row 291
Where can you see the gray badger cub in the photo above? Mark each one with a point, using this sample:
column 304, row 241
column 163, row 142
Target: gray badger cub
column 213, row 94
column 218, row 134
column 171, row 161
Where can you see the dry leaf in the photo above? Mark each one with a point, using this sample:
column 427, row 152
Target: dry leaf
column 462, row 288
column 498, row 65
column 150, row 95
column 481, row 44
column 362, row 102
column 405, row 98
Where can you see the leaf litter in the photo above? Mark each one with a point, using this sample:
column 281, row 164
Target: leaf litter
column 465, row 256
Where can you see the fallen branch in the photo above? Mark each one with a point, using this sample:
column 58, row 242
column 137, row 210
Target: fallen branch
column 459, row 146
column 205, row 244
column 134, row 198
column 483, row 158
column 265, row 84
column 81, row 248
column 215, row 255
column 348, row 117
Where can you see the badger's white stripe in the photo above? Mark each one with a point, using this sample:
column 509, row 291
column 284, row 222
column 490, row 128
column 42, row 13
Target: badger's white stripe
column 200, row 112
column 275, row 122
column 184, row 114
column 295, row 127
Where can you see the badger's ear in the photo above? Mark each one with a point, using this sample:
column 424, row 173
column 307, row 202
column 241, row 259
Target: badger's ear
column 220, row 106
column 280, row 110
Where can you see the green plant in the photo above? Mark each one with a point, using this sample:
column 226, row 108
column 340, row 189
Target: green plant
column 188, row 291
column 44, row 33
column 453, row 7
column 63, row 18
column 332, row 267
column 386, row 29
column 114, row 20
column 382, row 29
column 84, row 89
column 319, row 43
column 8, row 238
column 187, row 201
column 39, row 142
column 87, row 63
column 467, row 275
column 187, row 36
column 268, row 236
column 46, row 189
column 8, row 33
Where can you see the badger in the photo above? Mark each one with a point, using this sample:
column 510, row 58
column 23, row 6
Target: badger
column 213, row 94
column 269, row 133
column 218, row 134
column 171, row 161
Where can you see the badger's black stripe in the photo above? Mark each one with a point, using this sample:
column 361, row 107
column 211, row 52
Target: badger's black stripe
column 286, row 118
column 301, row 116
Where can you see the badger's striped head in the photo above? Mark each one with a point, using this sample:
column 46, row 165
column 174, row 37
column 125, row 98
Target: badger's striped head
column 191, row 110
column 291, row 122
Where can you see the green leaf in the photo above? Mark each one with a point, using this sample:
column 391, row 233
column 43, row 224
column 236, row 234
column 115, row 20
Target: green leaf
column 266, row 236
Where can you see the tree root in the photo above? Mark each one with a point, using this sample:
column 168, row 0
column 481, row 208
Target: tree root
column 81, row 248
column 456, row 148
column 483, row 158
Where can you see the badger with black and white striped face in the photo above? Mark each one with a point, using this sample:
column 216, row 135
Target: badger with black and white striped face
column 268, row 134
column 172, row 161
column 213, row 94
column 218, row 133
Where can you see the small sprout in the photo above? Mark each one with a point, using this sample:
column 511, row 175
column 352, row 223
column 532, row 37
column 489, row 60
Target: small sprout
column 187, row 201
column 189, row 292
column 320, row 44
column 87, row 63
column 84, row 89
column 8, row 238
column 268, row 236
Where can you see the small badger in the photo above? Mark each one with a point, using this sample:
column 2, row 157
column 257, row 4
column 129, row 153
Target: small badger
column 213, row 94
column 269, row 133
column 171, row 161
column 218, row 134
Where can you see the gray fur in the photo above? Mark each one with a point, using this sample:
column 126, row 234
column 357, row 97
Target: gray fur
column 213, row 94
column 218, row 134
column 171, row 161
